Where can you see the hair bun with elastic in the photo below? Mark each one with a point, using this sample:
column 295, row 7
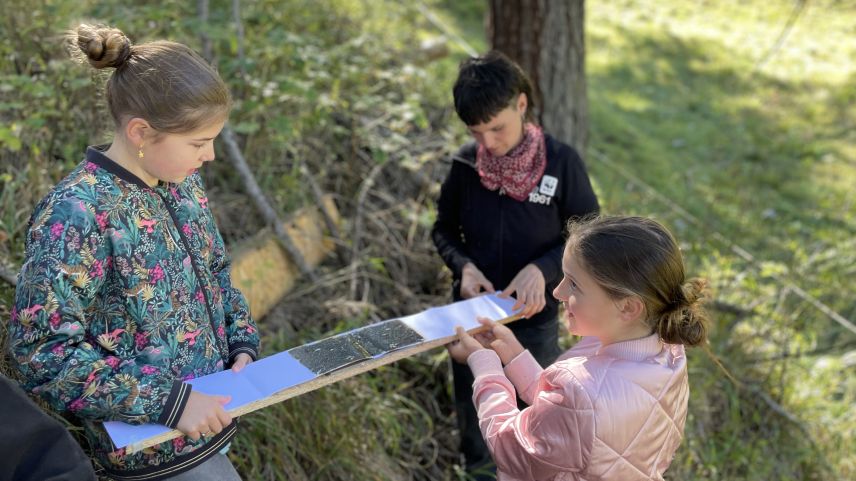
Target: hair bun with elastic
column 686, row 321
column 690, row 323
column 103, row 46
column 694, row 291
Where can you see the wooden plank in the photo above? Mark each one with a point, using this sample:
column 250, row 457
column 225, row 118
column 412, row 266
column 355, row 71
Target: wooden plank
column 319, row 382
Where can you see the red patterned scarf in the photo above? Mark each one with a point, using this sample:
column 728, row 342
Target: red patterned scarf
column 517, row 172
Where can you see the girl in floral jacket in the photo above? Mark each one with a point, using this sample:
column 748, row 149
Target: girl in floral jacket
column 125, row 293
column 614, row 406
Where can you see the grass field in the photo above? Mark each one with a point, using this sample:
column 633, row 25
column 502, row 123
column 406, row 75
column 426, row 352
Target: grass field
column 761, row 156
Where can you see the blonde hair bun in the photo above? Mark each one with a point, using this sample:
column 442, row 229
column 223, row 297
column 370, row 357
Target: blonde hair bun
column 103, row 46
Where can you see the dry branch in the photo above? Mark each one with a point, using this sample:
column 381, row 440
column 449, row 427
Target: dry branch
column 357, row 231
column 318, row 196
column 233, row 153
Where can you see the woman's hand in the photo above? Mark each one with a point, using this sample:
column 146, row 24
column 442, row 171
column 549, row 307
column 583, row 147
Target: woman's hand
column 465, row 345
column 241, row 361
column 473, row 281
column 529, row 286
column 502, row 340
column 204, row 415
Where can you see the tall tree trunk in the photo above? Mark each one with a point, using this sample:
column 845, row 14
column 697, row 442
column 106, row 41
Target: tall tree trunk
column 546, row 38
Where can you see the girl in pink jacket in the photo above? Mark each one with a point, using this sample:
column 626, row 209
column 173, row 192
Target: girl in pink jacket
column 614, row 406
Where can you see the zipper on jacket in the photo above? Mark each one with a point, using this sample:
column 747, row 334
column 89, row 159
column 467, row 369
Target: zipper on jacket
column 501, row 236
column 196, row 271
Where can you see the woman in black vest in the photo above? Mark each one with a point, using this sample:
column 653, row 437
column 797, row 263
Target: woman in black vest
column 501, row 216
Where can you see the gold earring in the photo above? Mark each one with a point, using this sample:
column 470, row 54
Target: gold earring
column 140, row 153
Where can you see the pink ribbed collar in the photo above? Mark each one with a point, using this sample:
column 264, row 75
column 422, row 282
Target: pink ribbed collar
column 634, row 349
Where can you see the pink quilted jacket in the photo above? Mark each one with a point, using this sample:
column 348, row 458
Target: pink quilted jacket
column 599, row 413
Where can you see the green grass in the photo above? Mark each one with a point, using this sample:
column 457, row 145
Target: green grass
column 763, row 157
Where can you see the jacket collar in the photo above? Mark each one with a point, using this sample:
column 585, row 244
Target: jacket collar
column 634, row 349
column 95, row 154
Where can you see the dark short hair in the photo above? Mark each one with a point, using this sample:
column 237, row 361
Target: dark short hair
column 487, row 85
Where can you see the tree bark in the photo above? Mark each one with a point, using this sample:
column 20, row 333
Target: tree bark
column 546, row 38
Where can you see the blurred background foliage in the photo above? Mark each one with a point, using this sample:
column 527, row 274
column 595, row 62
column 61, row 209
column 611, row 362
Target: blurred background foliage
column 699, row 118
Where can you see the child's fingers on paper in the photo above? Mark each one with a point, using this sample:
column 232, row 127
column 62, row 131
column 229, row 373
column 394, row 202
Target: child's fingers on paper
column 194, row 435
column 457, row 352
column 459, row 349
column 485, row 321
column 484, row 332
column 460, row 332
column 484, row 338
column 241, row 361
column 502, row 332
column 214, row 425
column 467, row 340
column 225, row 418
column 199, row 431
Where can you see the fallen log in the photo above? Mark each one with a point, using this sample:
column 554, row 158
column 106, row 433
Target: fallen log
column 264, row 272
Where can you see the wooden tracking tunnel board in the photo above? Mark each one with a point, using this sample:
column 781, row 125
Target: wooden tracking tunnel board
column 311, row 366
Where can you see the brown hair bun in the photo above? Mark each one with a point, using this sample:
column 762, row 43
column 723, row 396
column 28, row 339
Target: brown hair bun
column 103, row 46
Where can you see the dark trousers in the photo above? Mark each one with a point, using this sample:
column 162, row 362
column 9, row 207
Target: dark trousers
column 542, row 340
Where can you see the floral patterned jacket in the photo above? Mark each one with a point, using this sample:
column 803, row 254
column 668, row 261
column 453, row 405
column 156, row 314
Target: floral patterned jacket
column 125, row 294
